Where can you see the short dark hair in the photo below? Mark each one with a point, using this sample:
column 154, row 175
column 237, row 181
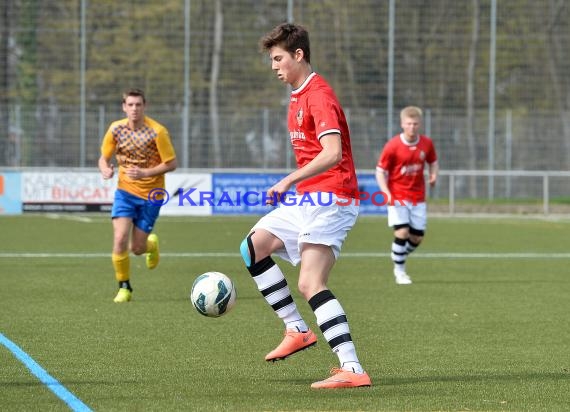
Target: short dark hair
column 133, row 92
column 290, row 37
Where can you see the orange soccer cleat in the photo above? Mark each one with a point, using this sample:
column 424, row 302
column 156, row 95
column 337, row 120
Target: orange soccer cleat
column 343, row 379
column 293, row 342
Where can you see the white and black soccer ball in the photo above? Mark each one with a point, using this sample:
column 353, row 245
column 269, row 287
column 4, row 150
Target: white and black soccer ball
column 213, row 294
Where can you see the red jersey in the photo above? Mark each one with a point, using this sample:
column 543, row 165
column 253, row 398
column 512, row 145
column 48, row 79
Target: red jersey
column 404, row 162
column 314, row 111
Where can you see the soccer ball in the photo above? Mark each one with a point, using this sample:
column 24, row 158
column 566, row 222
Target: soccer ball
column 213, row 294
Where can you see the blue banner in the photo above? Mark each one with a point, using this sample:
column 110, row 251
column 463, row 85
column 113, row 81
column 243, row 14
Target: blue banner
column 10, row 193
column 372, row 201
column 242, row 193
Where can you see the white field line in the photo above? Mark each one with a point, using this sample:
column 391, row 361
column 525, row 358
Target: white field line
column 72, row 217
column 106, row 217
column 417, row 255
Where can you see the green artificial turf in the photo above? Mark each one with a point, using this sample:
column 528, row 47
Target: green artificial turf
column 484, row 326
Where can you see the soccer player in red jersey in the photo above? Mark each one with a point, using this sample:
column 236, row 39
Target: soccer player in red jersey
column 144, row 153
column 400, row 175
column 310, row 224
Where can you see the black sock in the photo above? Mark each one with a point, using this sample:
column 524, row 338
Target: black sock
column 125, row 284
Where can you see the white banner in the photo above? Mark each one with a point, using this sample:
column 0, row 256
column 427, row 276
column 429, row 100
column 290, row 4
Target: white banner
column 89, row 192
column 67, row 187
column 179, row 184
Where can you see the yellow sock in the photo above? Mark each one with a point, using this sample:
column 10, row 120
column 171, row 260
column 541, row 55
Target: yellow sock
column 122, row 265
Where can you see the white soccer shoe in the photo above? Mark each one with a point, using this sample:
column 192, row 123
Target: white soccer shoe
column 402, row 277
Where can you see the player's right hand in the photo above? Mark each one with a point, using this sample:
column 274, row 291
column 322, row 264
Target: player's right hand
column 108, row 172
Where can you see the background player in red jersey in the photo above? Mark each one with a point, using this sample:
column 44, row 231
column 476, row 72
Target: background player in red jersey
column 308, row 232
column 400, row 175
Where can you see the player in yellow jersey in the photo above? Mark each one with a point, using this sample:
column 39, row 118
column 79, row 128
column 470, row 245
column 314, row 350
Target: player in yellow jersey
column 144, row 153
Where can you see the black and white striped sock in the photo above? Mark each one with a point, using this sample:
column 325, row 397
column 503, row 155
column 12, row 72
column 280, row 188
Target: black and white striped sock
column 334, row 325
column 273, row 286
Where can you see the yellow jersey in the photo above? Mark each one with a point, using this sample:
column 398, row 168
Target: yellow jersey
column 146, row 147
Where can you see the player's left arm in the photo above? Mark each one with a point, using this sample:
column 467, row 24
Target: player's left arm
column 159, row 169
column 167, row 154
column 327, row 158
column 433, row 172
column 433, row 166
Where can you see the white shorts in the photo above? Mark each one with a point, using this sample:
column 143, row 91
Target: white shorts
column 414, row 215
column 317, row 220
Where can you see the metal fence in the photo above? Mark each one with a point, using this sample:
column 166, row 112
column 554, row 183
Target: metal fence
column 515, row 191
column 492, row 75
column 259, row 139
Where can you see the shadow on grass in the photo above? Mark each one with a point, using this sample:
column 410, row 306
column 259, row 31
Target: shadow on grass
column 498, row 281
column 564, row 374
column 63, row 383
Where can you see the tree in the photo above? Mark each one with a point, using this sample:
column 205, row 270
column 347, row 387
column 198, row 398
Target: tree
column 214, row 78
column 470, row 104
column 557, row 55
column 4, row 82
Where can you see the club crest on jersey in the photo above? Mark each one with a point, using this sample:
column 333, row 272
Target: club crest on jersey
column 299, row 117
column 422, row 155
